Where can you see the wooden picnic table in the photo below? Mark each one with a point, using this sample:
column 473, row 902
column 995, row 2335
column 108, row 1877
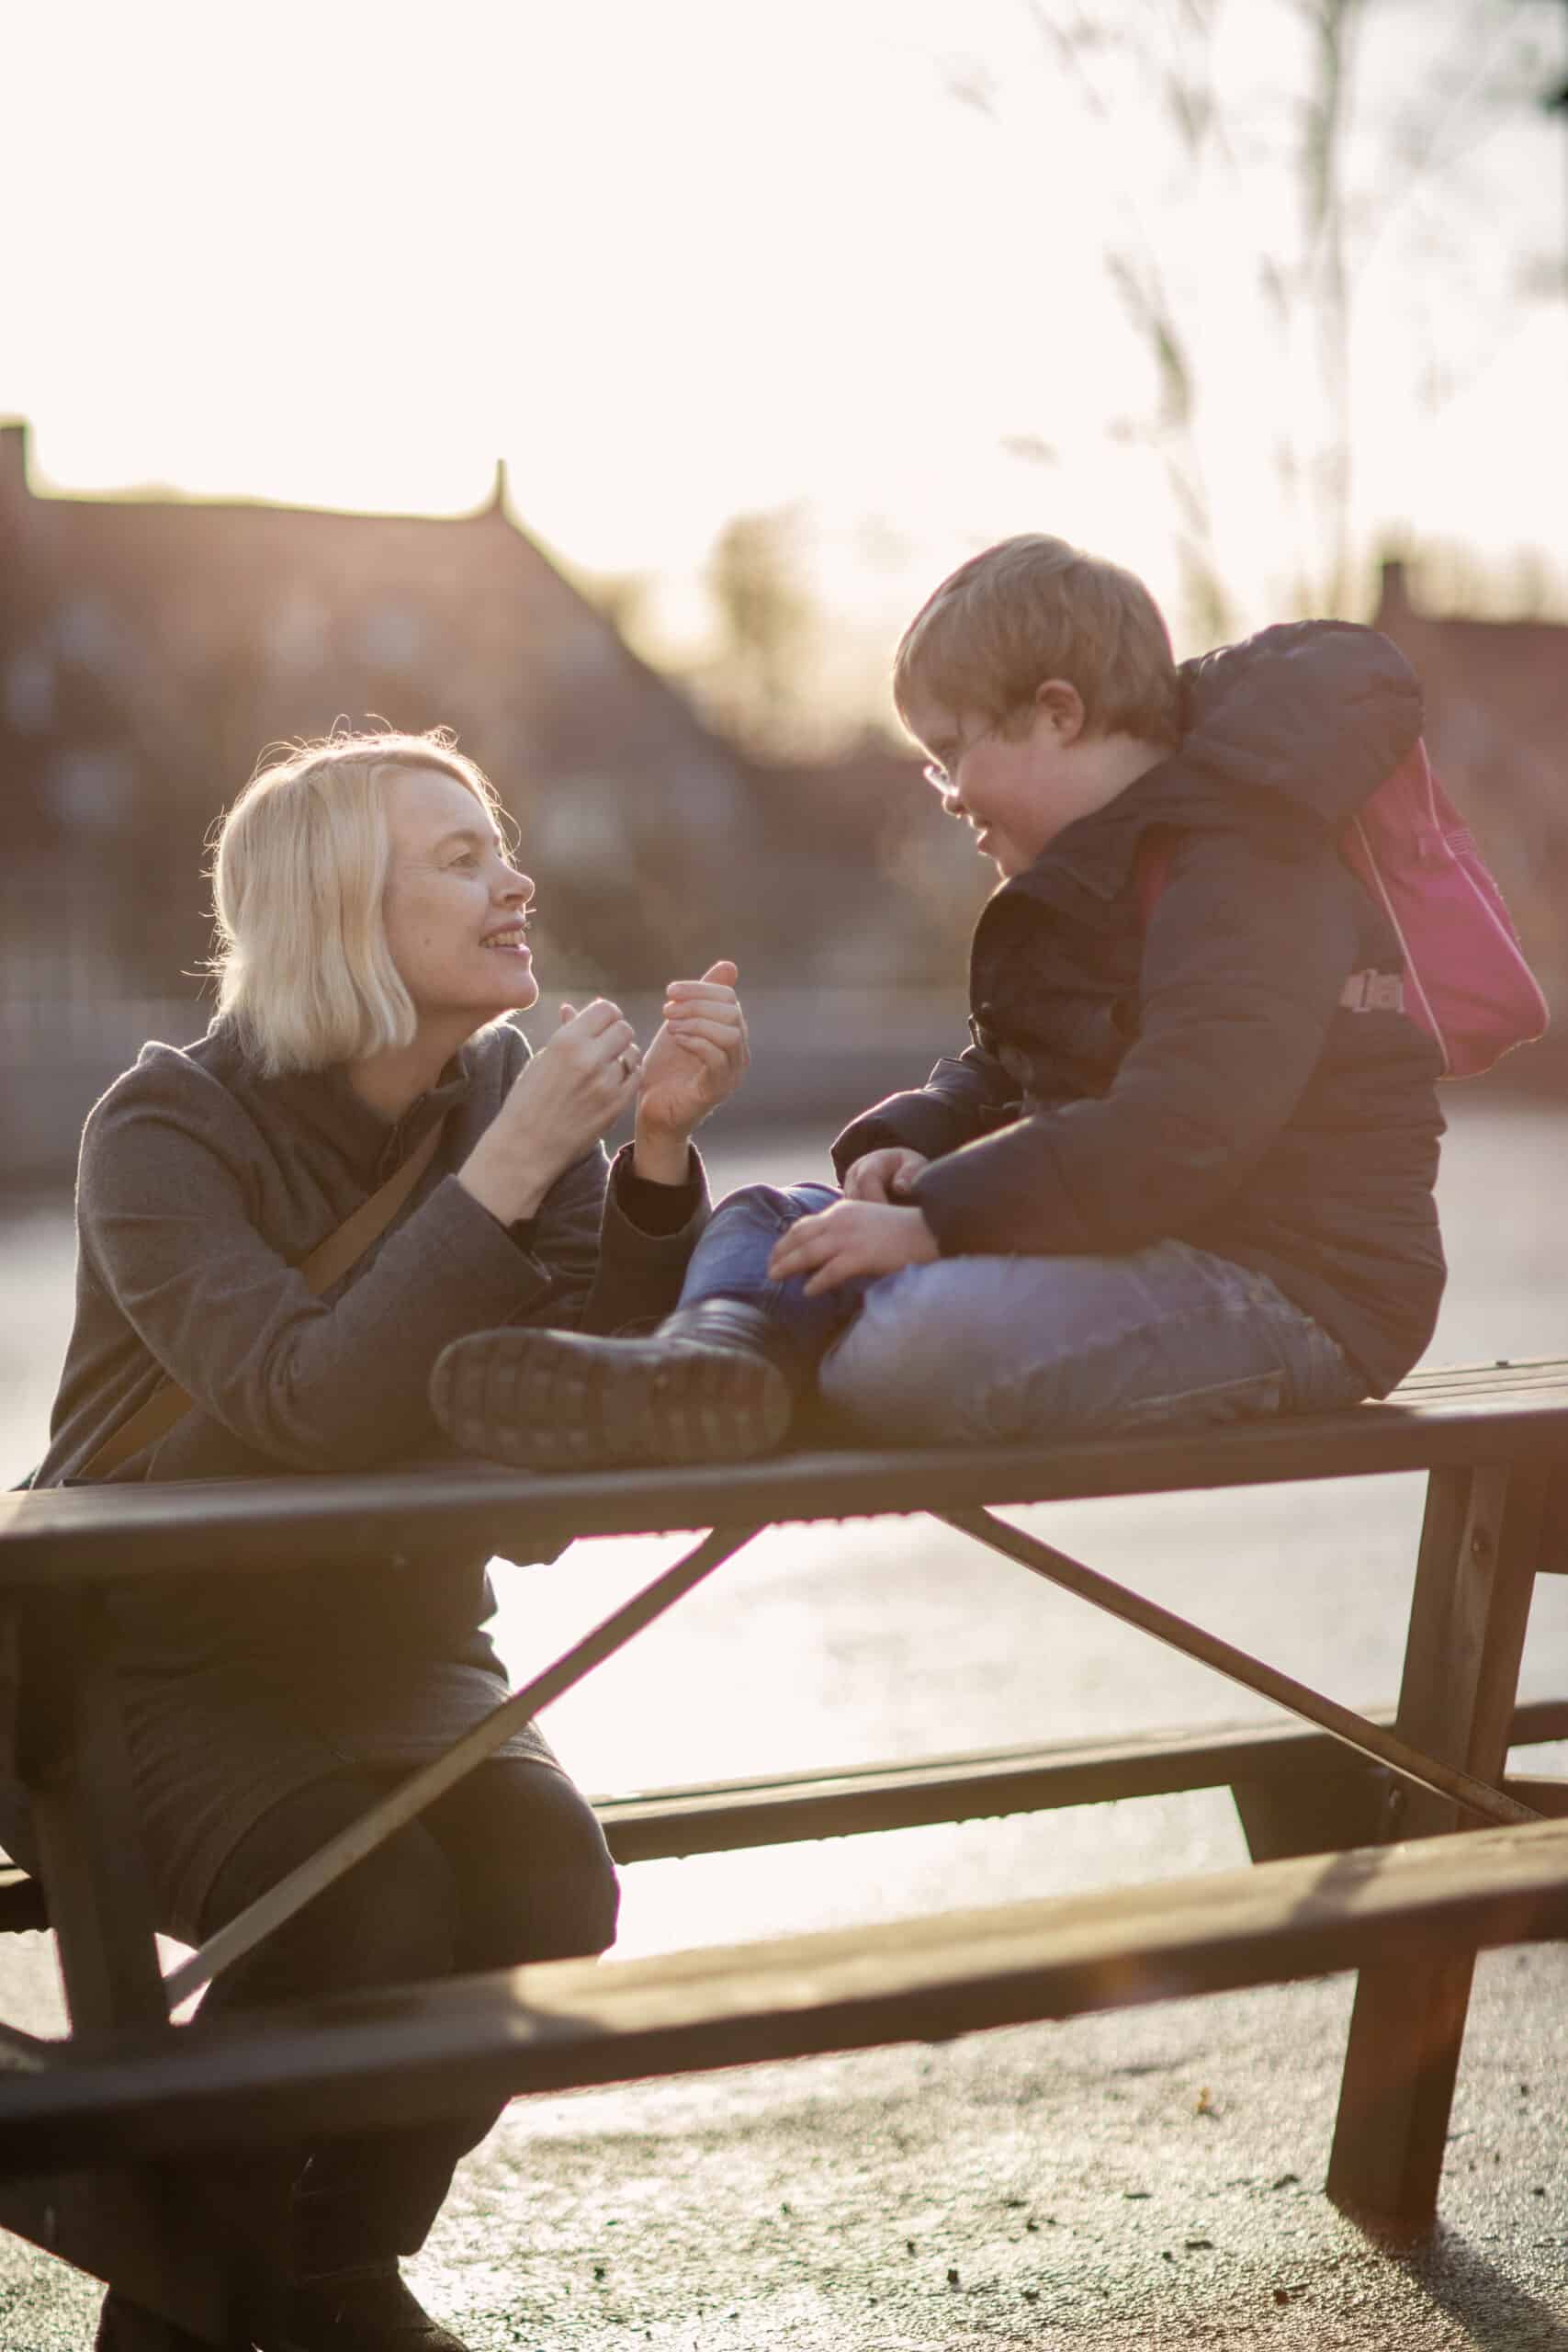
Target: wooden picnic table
column 1352, row 1823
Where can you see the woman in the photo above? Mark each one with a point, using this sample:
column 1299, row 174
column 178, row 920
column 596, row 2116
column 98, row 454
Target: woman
column 372, row 934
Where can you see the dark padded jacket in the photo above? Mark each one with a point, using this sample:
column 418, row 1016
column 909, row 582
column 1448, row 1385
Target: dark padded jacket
column 1194, row 1075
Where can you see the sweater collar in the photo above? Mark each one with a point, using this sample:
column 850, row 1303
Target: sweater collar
column 322, row 1102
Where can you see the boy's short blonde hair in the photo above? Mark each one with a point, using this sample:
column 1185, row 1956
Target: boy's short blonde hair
column 1032, row 608
column 298, row 873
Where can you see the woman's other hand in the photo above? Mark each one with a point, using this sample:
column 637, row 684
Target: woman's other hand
column 883, row 1176
column 698, row 1058
column 851, row 1237
column 572, row 1090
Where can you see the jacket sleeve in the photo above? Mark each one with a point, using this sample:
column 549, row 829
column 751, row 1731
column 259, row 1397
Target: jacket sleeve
column 336, row 1381
column 607, row 1272
column 1245, row 956
column 964, row 1097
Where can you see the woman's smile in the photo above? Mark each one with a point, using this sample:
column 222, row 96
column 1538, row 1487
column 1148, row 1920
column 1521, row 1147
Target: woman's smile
column 510, row 939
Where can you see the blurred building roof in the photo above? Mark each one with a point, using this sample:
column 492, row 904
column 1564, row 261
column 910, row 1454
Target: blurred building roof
column 317, row 614
column 1497, row 727
column 152, row 646
column 1496, row 697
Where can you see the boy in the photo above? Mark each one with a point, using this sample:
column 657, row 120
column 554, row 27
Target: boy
column 1185, row 1167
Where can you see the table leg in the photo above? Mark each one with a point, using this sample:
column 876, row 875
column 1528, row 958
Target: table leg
column 148, row 2230
column 1480, row 1545
column 136, row 2229
column 70, row 1759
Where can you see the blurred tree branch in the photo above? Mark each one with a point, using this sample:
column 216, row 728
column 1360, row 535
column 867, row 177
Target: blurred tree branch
column 1292, row 188
column 757, row 683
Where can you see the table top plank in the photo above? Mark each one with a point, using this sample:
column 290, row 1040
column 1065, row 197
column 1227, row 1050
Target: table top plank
column 1451, row 1417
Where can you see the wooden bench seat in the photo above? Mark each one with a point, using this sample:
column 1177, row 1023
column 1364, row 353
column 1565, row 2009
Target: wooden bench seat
column 982, row 1784
column 408, row 2054
column 985, row 1784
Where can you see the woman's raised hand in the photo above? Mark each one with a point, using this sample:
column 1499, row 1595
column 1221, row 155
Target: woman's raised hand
column 572, row 1090
column 698, row 1058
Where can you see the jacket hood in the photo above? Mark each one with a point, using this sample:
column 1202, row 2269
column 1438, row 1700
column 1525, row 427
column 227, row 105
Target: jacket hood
column 1314, row 714
column 1289, row 730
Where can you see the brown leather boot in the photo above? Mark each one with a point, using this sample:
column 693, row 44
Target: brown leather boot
column 369, row 2309
column 125, row 2326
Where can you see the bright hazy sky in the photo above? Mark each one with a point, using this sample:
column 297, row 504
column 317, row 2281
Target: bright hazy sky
column 679, row 259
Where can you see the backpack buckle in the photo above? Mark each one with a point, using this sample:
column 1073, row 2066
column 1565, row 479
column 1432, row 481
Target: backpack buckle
column 1373, row 992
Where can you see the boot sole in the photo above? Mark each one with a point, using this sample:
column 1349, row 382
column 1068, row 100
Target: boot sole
column 555, row 1400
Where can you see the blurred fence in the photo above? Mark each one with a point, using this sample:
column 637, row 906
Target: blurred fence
column 56, row 1058
column 817, row 1056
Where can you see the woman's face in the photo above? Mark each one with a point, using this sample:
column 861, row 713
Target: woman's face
column 454, row 905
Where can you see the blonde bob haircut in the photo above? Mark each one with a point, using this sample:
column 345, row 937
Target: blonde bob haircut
column 1032, row 608
column 299, row 870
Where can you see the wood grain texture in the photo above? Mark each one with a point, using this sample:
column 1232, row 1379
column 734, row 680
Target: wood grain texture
column 404, row 2054
column 1481, row 1539
column 1455, row 1416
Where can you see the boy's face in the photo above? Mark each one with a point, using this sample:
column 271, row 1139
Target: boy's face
column 1016, row 791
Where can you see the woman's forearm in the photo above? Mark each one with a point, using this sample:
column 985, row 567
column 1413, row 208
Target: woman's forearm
column 502, row 1183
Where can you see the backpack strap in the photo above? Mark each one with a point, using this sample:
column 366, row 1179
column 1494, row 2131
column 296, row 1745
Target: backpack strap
column 327, row 1263
column 1151, row 869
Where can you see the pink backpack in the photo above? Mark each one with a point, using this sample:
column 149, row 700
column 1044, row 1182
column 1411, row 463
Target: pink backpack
column 1466, row 981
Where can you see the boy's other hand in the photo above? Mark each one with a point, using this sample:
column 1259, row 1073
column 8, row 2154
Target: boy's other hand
column 883, row 1176
column 852, row 1238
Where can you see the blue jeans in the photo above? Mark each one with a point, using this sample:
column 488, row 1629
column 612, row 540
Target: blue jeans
column 992, row 1348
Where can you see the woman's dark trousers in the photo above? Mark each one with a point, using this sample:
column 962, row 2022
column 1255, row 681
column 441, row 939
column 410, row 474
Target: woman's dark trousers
column 509, row 1866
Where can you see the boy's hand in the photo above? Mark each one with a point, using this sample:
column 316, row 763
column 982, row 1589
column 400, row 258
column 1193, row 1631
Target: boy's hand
column 852, row 1238
column 883, row 1175
column 699, row 1056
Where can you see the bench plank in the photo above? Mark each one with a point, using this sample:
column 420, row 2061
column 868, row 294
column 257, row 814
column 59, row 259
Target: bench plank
column 722, row 1817
column 408, row 2054
column 1450, row 1418
column 983, row 1784
column 779, row 1809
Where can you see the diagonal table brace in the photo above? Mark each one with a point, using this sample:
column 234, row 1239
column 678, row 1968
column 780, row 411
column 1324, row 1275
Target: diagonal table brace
column 339, row 1854
column 1367, row 1739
